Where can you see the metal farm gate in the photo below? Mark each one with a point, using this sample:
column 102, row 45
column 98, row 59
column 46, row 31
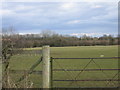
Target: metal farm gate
column 84, row 77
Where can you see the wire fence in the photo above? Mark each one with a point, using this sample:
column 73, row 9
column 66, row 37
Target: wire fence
column 78, row 73
column 27, row 52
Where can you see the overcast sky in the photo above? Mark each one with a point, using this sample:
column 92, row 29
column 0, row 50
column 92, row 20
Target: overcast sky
column 72, row 18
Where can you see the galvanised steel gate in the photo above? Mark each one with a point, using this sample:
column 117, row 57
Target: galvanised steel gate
column 74, row 77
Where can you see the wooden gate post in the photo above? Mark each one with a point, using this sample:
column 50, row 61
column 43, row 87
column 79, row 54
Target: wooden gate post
column 46, row 67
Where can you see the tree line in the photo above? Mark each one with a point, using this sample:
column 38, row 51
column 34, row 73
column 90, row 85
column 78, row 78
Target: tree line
column 53, row 39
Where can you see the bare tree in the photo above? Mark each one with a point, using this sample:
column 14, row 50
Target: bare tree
column 47, row 33
column 9, row 38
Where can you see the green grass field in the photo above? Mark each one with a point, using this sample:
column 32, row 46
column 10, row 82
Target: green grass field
column 24, row 62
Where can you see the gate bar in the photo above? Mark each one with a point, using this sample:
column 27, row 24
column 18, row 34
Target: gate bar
column 91, row 58
column 85, row 69
column 91, row 80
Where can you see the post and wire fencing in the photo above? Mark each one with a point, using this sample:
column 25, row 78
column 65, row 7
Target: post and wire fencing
column 56, row 72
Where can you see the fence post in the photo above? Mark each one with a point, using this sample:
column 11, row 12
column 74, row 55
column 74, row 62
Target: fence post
column 46, row 66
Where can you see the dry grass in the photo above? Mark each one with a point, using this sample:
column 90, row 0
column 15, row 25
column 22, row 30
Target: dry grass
column 9, row 83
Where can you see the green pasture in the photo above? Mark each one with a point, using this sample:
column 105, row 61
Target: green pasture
column 25, row 61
